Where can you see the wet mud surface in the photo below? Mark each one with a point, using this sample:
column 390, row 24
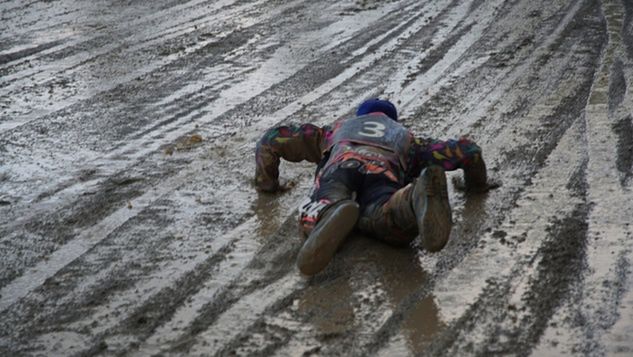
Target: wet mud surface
column 129, row 224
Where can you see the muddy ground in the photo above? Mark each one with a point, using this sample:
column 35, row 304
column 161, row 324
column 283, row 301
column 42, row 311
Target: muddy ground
column 129, row 224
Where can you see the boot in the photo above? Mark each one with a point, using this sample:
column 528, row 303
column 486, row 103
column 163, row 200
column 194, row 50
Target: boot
column 327, row 236
column 475, row 176
column 432, row 209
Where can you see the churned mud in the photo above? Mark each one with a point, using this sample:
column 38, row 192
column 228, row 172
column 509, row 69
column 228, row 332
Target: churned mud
column 129, row 224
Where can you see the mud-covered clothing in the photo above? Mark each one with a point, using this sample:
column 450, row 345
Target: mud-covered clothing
column 370, row 158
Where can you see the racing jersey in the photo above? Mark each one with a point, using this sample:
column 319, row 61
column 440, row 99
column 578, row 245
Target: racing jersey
column 375, row 139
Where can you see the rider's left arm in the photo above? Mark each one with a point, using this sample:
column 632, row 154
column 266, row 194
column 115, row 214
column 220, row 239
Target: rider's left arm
column 293, row 143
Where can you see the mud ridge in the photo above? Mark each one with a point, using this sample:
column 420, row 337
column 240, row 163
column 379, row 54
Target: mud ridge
column 553, row 127
column 51, row 305
column 322, row 68
column 394, row 21
column 486, row 307
column 132, row 87
column 9, row 57
column 627, row 28
column 276, row 336
column 270, row 264
column 438, row 53
column 562, row 259
column 557, row 272
column 608, row 310
column 84, row 212
column 100, row 40
column 389, row 328
column 160, row 307
column 308, row 78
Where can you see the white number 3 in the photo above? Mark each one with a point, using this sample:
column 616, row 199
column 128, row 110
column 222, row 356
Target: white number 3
column 373, row 129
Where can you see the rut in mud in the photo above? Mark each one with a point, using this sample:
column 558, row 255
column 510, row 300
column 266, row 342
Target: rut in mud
column 129, row 224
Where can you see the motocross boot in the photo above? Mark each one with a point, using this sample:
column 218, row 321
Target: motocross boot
column 432, row 209
column 327, row 236
column 475, row 176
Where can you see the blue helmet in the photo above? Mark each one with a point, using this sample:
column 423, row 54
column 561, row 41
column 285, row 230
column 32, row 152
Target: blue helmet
column 378, row 105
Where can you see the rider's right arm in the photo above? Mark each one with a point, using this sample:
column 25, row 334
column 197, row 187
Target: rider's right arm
column 293, row 143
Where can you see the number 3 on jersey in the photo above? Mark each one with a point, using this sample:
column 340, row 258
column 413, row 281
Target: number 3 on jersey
column 373, row 129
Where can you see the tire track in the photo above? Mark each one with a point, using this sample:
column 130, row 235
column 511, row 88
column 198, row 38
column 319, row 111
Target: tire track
column 142, row 59
column 601, row 295
column 140, row 280
column 269, row 277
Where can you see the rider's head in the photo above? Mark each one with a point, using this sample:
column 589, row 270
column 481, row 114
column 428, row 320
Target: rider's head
column 378, row 105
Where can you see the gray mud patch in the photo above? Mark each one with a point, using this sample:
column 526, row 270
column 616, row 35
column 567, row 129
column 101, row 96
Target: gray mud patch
column 624, row 161
column 9, row 57
column 46, row 232
column 627, row 27
column 560, row 268
column 437, row 53
column 607, row 307
column 563, row 258
column 272, row 262
column 53, row 308
column 51, row 230
column 617, row 86
column 161, row 307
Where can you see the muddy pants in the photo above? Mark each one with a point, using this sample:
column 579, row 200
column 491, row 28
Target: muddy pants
column 386, row 211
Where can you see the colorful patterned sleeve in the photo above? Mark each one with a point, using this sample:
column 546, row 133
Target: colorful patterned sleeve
column 450, row 154
column 292, row 143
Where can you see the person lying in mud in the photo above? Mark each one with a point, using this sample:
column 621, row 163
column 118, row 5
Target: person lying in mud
column 373, row 175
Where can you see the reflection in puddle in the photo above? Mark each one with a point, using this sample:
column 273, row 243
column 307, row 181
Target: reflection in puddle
column 422, row 324
column 401, row 277
column 329, row 307
column 266, row 207
column 376, row 281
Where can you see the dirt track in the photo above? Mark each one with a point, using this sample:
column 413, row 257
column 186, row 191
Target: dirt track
column 123, row 233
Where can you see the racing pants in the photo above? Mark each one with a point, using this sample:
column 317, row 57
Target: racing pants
column 386, row 210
